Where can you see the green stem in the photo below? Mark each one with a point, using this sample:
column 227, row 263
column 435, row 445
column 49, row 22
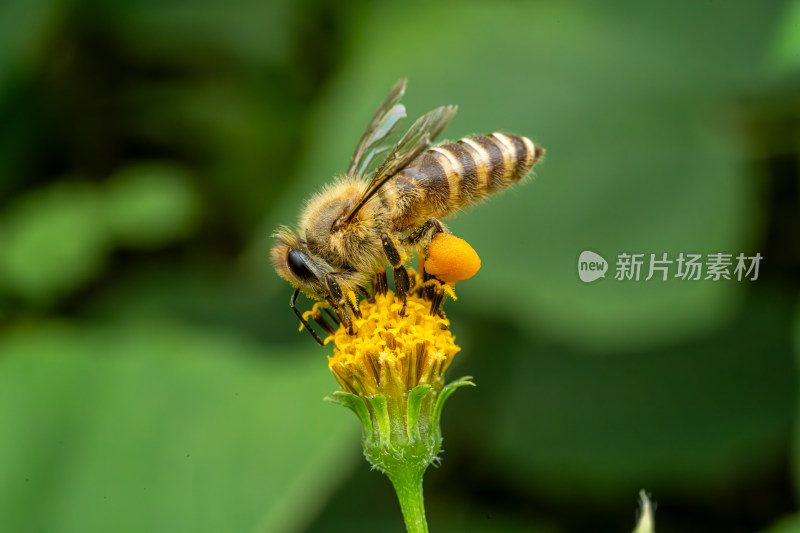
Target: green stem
column 408, row 486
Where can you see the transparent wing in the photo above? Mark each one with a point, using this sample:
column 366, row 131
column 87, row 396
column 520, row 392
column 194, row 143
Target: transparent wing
column 389, row 113
column 416, row 140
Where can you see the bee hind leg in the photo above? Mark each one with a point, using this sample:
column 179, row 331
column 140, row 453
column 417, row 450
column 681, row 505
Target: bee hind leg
column 401, row 280
column 433, row 292
column 424, row 234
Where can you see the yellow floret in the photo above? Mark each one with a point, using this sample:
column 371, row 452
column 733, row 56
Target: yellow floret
column 391, row 354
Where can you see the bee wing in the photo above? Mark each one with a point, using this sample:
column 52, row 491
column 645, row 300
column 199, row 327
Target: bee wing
column 417, row 139
column 388, row 114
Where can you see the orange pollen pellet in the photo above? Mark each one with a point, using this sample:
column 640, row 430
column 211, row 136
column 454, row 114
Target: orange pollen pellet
column 451, row 259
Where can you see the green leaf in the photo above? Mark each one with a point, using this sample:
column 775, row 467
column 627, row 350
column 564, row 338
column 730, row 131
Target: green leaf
column 795, row 450
column 249, row 32
column 24, row 28
column 150, row 204
column 693, row 418
column 787, row 524
column 53, row 241
column 786, row 48
column 153, row 427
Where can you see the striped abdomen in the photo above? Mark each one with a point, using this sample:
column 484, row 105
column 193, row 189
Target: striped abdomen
column 452, row 175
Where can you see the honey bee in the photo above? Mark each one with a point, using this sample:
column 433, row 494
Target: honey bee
column 387, row 206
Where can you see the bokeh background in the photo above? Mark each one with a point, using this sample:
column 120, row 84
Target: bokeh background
column 152, row 377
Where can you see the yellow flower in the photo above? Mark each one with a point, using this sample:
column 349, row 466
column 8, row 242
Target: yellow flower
column 391, row 354
column 391, row 370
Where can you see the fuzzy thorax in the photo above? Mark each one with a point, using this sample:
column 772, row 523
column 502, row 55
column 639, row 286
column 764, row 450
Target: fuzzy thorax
column 356, row 246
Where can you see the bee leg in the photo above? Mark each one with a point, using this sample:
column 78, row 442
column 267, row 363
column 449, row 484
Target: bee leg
column 425, row 234
column 401, row 281
column 363, row 290
column 379, row 283
column 303, row 320
column 427, row 230
column 324, row 324
column 333, row 317
column 435, row 294
column 431, row 292
column 339, row 298
column 339, row 302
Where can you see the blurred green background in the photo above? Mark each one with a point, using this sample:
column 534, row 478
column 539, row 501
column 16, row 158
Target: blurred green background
column 151, row 374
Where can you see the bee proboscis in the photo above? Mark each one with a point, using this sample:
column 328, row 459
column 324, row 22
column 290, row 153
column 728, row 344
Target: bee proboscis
column 383, row 209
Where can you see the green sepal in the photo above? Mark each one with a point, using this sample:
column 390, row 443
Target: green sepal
column 445, row 393
column 415, row 398
column 381, row 410
column 358, row 406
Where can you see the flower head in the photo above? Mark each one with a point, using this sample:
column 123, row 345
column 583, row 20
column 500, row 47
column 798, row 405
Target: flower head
column 391, row 370
column 391, row 354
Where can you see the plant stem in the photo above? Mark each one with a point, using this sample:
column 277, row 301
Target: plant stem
column 408, row 486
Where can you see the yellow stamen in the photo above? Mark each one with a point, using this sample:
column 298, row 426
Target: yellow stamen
column 391, row 354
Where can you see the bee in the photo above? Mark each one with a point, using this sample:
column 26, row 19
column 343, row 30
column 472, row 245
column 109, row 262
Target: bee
column 388, row 205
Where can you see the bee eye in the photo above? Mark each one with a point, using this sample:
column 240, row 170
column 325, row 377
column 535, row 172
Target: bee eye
column 297, row 264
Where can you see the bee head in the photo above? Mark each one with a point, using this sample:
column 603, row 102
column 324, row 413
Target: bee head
column 294, row 264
